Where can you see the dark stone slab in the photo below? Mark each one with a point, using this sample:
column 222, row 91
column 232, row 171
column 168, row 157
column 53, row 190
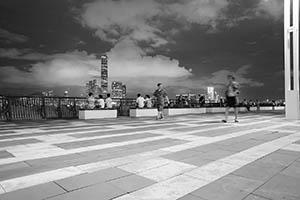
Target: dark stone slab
column 190, row 197
column 18, row 142
column 259, row 171
column 229, row 187
column 121, row 131
column 85, row 143
column 93, row 178
column 34, row 193
column 102, row 191
column 5, row 154
column 280, row 187
column 131, row 183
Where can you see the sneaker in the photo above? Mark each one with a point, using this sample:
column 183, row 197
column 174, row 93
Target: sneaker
column 236, row 120
column 224, row 121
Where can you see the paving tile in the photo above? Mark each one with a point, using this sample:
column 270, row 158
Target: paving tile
column 293, row 170
column 38, row 192
column 167, row 171
column 85, row 143
column 99, row 191
column 131, row 130
column 84, row 180
column 131, row 183
column 278, row 158
column 197, row 161
column 170, row 189
column 180, row 155
column 13, row 166
column 255, row 197
column 241, row 146
column 5, row 154
column 280, row 187
column 145, row 165
column 56, row 160
column 259, row 171
column 229, row 187
column 216, row 154
column 190, row 197
column 18, row 142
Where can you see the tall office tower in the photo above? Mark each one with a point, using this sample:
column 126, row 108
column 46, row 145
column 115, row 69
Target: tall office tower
column 117, row 89
column 124, row 90
column 93, row 87
column 104, row 74
column 211, row 93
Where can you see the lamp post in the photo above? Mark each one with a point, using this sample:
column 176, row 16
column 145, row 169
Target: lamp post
column 291, row 59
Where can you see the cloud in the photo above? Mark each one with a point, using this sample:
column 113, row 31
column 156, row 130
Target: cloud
column 72, row 68
column 22, row 54
column 12, row 37
column 271, row 8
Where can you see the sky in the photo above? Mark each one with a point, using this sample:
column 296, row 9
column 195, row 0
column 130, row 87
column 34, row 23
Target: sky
column 187, row 45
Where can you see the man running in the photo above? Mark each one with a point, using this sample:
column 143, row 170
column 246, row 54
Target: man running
column 161, row 98
column 231, row 97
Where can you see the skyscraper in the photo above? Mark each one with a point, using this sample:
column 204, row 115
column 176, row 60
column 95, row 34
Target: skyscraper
column 211, row 93
column 104, row 73
column 124, row 91
column 117, row 89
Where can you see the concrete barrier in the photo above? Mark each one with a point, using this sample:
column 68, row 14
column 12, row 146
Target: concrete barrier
column 184, row 111
column 97, row 114
column 143, row 112
column 215, row 109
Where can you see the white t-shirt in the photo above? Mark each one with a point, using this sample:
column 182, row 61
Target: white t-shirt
column 148, row 102
column 101, row 103
column 91, row 102
column 108, row 102
column 140, row 102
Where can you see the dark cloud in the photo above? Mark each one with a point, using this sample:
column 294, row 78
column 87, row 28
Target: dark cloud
column 199, row 41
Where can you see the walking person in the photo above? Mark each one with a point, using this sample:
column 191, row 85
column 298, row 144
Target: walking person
column 161, row 98
column 231, row 94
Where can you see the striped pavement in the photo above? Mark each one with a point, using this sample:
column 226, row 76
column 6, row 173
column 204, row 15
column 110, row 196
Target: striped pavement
column 190, row 157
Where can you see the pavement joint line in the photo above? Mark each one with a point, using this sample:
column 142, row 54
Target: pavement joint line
column 19, row 153
column 207, row 173
column 23, row 182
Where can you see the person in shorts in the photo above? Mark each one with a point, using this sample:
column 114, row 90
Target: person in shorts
column 231, row 94
column 161, row 99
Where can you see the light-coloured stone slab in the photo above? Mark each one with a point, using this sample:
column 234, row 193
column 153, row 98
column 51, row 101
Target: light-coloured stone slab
column 39, row 178
column 171, row 189
column 167, row 171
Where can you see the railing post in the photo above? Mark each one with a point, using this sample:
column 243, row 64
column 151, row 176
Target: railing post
column 59, row 110
column 43, row 108
column 8, row 110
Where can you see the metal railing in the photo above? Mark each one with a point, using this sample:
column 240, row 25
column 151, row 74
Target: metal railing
column 35, row 108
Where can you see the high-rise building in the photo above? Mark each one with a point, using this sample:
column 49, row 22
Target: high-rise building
column 124, row 91
column 93, row 86
column 104, row 74
column 117, row 89
column 211, row 93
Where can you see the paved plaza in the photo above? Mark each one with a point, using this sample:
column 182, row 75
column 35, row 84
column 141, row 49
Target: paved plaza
column 191, row 157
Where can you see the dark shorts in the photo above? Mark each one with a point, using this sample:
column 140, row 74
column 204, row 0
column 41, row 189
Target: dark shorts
column 160, row 107
column 231, row 102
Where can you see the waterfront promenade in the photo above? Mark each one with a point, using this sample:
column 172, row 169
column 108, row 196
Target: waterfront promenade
column 191, row 157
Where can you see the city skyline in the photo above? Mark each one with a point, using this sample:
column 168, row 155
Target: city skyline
column 187, row 45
